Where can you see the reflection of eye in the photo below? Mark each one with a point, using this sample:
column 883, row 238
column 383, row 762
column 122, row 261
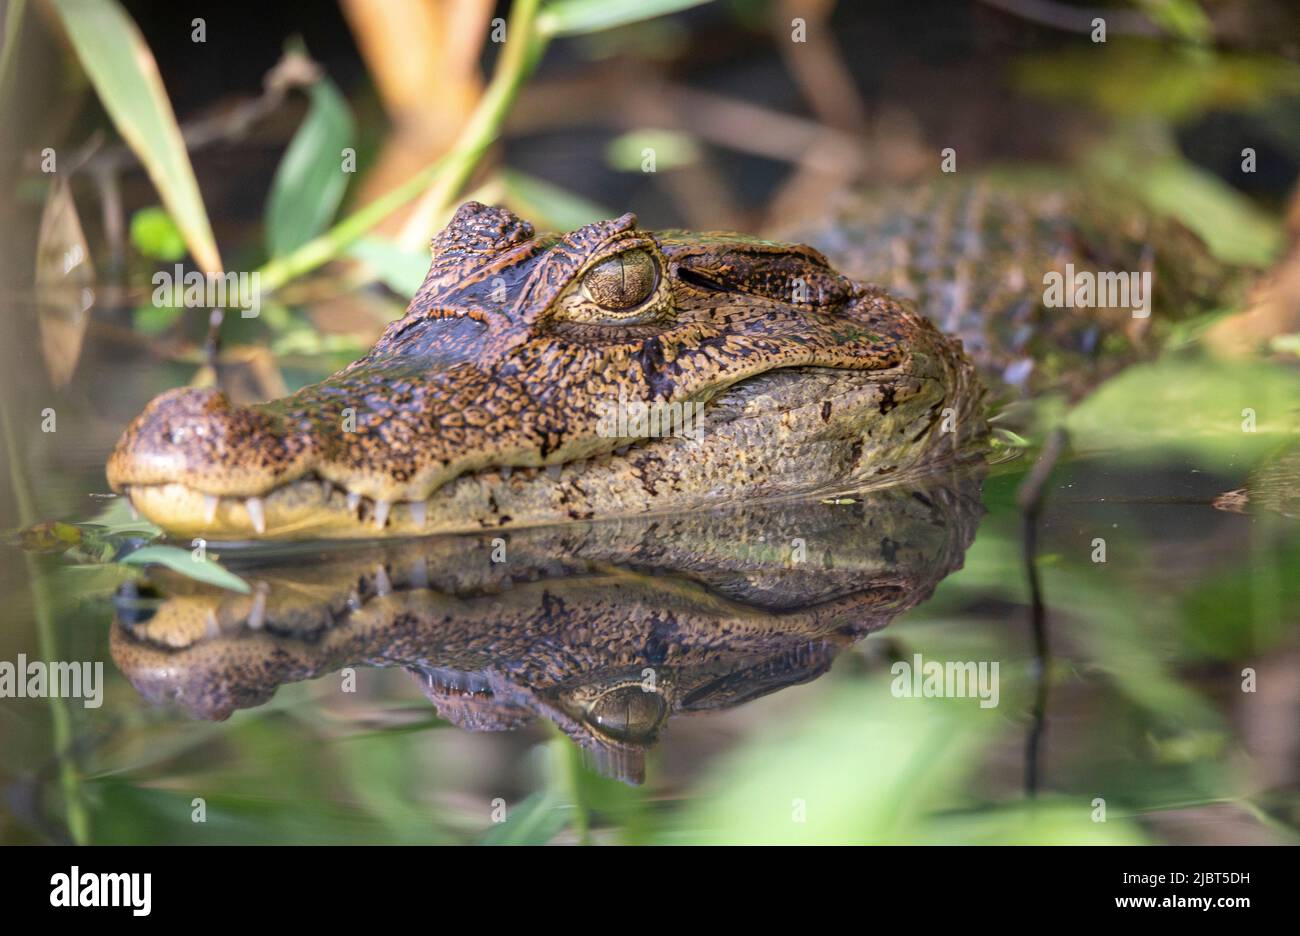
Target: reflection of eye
column 623, row 281
column 628, row 713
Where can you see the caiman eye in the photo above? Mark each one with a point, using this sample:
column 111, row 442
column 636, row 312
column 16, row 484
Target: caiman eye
column 628, row 713
column 623, row 281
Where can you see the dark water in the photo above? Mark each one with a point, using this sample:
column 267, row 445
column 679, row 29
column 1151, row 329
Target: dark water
column 749, row 674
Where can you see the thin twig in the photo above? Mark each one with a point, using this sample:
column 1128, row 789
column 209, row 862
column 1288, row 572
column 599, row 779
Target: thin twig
column 1030, row 498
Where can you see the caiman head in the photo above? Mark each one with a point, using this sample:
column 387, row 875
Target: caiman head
column 538, row 378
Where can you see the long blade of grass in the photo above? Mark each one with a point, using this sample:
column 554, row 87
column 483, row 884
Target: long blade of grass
column 125, row 76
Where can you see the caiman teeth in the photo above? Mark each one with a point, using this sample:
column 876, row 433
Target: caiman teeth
column 212, row 513
column 256, row 514
column 457, row 683
column 257, row 613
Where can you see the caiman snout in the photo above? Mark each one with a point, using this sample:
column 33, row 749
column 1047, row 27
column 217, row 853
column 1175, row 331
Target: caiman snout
column 223, row 452
column 218, row 447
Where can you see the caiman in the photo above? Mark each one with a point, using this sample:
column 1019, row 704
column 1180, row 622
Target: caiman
column 489, row 403
column 607, row 629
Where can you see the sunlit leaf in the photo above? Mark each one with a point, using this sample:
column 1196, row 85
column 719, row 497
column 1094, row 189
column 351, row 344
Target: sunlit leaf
column 186, row 563
column 1232, row 227
column 1050, row 822
column 125, row 75
column 571, row 17
column 309, row 182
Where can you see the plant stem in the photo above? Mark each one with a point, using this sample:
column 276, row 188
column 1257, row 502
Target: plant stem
column 9, row 53
column 523, row 48
column 60, row 718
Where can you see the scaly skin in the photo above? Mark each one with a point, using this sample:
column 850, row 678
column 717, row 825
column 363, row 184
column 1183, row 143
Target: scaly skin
column 973, row 253
column 509, row 358
column 717, row 605
column 481, row 408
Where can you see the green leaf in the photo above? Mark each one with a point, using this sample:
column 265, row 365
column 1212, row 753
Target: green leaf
column 1182, row 18
column 865, row 767
column 154, row 320
column 670, row 149
column 1234, row 229
column 186, row 563
column 549, row 205
column 1129, row 77
column 309, row 182
column 535, row 821
column 125, row 75
column 1225, row 415
column 155, row 234
column 573, row 17
column 400, row 270
column 116, row 518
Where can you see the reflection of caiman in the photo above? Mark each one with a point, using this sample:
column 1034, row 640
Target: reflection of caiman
column 483, row 407
column 606, row 629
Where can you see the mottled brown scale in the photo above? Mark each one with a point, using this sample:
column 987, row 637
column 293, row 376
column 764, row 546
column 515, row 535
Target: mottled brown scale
column 973, row 255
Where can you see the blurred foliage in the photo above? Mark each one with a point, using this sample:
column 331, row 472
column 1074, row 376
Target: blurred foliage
column 125, row 76
column 1144, row 162
column 575, row 17
column 155, row 234
column 551, row 205
column 1127, row 77
column 117, row 538
column 667, row 148
column 1224, row 414
column 309, row 184
column 803, row 783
